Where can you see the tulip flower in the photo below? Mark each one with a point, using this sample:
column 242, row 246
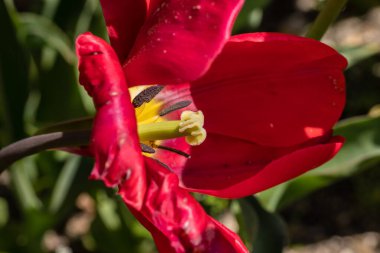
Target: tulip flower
column 182, row 106
column 149, row 188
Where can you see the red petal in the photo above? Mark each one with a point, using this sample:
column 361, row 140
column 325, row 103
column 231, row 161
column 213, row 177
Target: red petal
column 114, row 140
column 124, row 19
column 272, row 89
column 179, row 40
column 230, row 167
column 177, row 222
column 233, row 168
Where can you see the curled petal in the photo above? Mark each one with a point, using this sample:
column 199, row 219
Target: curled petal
column 272, row 89
column 177, row 221
column 179, row 40
column 124, row 20
column 114, row 141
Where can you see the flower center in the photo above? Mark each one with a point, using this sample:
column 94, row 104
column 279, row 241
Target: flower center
column 153, row 127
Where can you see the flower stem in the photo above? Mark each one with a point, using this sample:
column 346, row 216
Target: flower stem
column 38, row 143
column 329, row 13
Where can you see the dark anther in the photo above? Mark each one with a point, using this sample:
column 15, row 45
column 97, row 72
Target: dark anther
column 164, row 165
column 146, row 95
column 176, row 106
column 147, row 149
column 179, row 152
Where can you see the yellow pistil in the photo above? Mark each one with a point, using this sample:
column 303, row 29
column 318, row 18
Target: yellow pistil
column 190, row 126
column 153, row 127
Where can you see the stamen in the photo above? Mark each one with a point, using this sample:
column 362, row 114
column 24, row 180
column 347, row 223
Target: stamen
column 176, row 106
column 179, row 152
column 163, row 165
column 147, row 149
column 146, row 95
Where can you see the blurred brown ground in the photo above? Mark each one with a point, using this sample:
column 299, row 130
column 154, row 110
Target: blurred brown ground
column 362, row 243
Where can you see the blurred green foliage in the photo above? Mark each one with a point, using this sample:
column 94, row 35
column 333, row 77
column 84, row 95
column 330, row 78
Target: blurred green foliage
column 46, row 202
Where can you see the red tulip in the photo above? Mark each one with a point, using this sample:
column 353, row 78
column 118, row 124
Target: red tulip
column 269, row 102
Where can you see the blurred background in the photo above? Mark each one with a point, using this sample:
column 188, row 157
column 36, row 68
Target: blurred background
column 47, row 204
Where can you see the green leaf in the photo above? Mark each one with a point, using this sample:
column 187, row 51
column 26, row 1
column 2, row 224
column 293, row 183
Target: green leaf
column 50, row 8
column 107, row 209
column 362, row 143
column 23, row 185
column 273, row 197
column 49, row 33
column 60, row 98
column 4, row 212
column 266, row 231
column 14, row 71
column 86, row 16
column 250, row 16
column 64, row 183
column 356, row 54
column 361, row 149
column 108, row 227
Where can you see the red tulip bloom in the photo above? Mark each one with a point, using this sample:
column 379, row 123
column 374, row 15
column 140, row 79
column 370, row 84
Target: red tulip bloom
column 268, row 102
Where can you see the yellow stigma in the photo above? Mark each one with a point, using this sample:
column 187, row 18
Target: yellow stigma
column 193, row 122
